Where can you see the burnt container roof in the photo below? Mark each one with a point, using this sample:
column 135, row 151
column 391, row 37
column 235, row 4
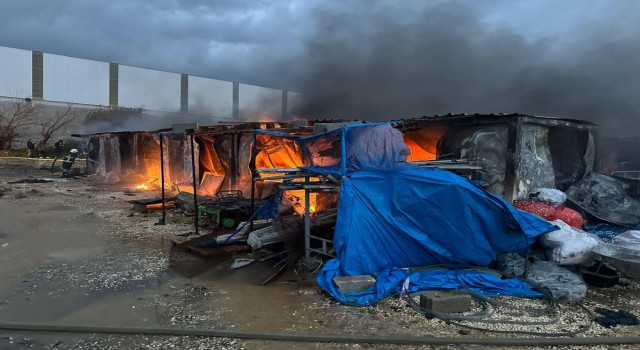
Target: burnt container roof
column 464, row 118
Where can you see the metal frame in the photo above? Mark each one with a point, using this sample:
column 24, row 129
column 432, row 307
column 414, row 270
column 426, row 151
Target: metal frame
column 326, row 184
column 308, row 186
column 191, row 133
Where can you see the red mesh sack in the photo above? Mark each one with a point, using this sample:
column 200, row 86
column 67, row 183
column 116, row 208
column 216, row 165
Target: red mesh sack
column 570, row 216
column 543, row 210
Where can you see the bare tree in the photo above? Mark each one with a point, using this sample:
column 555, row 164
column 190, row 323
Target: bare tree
column 49, row 124
column 15, row 115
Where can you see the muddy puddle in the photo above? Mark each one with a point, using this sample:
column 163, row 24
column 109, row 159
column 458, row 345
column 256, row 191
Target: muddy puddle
column 73, row 255
column 104, row 281
column 252, row 306
column 211, row 297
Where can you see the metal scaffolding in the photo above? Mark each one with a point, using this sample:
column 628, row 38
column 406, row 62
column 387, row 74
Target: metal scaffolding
column 292, row 179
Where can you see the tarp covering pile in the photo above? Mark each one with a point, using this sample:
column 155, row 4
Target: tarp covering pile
column 394, row 215
column 355, row 147
column 418, row 217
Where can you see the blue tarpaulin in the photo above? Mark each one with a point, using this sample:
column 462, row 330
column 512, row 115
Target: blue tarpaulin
column 607, row 232
column 393, row 215
column 407, row 217
column 418, row 217
column 395, row 281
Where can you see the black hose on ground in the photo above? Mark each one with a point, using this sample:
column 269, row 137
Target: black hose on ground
column 453, row 319
column 321, row 338
column 483, row 315
column 581, row 329
column 54, row 162
column 546, row 294
column 480, row 317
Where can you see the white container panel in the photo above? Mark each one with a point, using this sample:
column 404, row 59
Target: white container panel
column 148, row 88
column 210, row 97
column 259, row 103
column 15, row 72
column 70, row 79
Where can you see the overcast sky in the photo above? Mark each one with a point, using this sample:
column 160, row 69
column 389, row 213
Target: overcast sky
column 359, row 58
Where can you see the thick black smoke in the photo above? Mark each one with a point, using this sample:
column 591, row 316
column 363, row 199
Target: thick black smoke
column 372, row 60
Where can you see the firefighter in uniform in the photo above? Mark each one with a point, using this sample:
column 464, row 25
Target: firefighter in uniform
column 67, row 162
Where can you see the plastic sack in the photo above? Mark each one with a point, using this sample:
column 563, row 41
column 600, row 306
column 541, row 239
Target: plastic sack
column 549, row 196
column 563, row 284
column 570, row 216
column 629, row 239
column 568, row 245
column 512, row 264
column 543, row 210
column 263, row 237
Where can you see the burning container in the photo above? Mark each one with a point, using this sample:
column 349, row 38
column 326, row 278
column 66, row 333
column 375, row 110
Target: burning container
column 516, row 152
column 133, row 158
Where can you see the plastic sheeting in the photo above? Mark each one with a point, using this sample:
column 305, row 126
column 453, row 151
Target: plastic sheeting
column 623, row 253
column 573, row 155
column 419, row 217
column 563, row 284
column 235, row 158
column 374, row 147
column 534, row 167
column 394, row 281
column 486, row 145
column 355, row 147
column 549, row 196
column 606, row 198
column 629, row 239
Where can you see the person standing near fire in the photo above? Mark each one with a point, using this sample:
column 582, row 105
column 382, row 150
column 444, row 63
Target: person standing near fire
column 40, row 147
column 31, row 148
column 59, row 147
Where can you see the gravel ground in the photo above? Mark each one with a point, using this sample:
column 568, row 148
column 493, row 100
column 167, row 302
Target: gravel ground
column 129, row 273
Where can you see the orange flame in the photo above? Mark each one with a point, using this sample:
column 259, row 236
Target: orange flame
column 265, row 118
column 142, row 187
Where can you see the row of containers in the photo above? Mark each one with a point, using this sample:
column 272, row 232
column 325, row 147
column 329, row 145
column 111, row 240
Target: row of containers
column 508, row 154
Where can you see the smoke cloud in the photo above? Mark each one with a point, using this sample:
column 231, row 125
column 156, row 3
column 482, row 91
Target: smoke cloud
column 149, row 120
column 377, row 60
column 361, row 59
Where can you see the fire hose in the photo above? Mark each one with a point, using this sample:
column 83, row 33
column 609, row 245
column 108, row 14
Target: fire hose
column 320, row 338
column 483, row 316
column 53, row 164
